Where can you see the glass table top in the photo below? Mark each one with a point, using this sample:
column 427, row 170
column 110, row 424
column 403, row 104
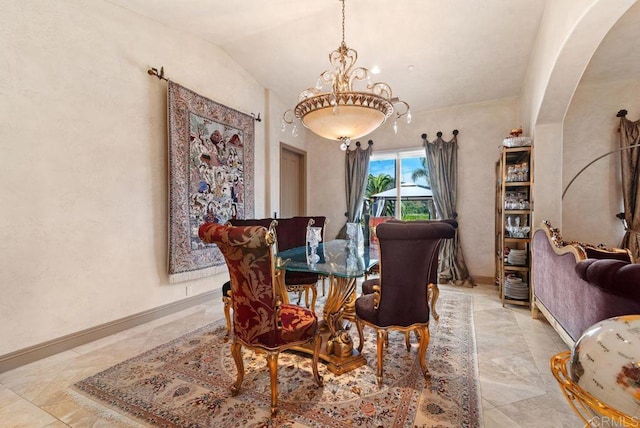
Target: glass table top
column 337, row 258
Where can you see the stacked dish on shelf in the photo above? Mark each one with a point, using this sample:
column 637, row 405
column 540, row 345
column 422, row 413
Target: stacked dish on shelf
column 515, row 288
column 515, row 139
column 517, row 257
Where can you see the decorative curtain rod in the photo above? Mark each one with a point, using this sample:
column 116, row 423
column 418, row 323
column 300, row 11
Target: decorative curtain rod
column 370, row 142
column 160, row 75
column 439, row 134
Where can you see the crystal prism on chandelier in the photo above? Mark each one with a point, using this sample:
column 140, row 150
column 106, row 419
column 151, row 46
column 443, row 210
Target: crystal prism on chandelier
column 343, row 113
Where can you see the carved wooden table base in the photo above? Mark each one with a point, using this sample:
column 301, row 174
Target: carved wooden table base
column 337, row 349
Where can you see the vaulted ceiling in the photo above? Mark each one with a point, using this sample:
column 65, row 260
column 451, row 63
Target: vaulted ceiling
column 433, row 53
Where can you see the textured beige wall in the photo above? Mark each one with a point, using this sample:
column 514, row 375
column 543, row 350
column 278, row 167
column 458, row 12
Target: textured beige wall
column 558, row 21
column 83, row 164
column 569, row 33
column 277, row 136
column 590, row 130
column 326, row 182
column 482, row 128
column 547, row 166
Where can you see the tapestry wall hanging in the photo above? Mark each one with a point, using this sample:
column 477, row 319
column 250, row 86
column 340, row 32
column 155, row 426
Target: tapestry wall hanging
column 211, row 155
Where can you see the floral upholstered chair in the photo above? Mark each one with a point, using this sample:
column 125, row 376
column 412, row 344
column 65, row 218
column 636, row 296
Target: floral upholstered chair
column 292, row 233
column 227, row 294
column 260, row 321
column 408, row 254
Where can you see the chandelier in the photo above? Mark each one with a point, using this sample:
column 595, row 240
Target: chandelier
column 341, row 112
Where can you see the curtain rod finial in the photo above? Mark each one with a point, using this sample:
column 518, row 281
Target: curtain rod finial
column 424, row 136
column 455, row 132
column 439, row 134
column 159, row 74
column 370, row 142
column 622, row 113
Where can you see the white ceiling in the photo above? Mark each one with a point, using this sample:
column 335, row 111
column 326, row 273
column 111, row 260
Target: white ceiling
column 462, row 51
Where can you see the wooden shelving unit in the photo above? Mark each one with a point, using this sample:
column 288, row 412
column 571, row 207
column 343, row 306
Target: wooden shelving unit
column 514, row 220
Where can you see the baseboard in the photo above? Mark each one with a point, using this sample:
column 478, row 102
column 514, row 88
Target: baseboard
column 37, row 352
column 489, row 280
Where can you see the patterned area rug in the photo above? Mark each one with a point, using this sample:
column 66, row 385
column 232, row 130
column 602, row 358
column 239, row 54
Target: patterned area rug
column 185, row 383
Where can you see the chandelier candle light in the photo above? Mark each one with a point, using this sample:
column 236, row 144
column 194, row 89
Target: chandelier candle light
column 343, row 113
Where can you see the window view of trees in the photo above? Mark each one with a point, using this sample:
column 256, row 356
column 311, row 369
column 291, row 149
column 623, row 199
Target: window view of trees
column 381, row 198
column 421, row 173
column 415, row 210
column 378, row 184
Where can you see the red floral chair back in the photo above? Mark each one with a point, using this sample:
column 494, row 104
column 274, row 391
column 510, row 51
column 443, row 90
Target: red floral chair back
column 248, row 253
column 260, row 320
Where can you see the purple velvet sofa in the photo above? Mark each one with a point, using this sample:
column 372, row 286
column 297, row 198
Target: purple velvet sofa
column 576, row 285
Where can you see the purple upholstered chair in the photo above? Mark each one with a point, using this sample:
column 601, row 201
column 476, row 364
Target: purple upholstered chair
column 260, row 320
column 408, row 255
column 432, row 286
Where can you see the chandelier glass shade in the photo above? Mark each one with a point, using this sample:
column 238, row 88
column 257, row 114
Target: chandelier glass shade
column 342, row 112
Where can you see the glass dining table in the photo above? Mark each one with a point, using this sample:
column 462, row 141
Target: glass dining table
column 343, row 263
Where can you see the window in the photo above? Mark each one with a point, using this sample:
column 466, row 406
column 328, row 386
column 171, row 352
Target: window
column 412, row 199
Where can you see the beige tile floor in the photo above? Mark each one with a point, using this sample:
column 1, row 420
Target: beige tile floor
column 517, row 387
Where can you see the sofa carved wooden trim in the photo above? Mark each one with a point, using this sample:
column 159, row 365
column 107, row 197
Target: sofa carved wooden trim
column 581, row 250
column 576, row 284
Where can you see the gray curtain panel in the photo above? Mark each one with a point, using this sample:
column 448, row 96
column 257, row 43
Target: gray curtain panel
column 356, row 174
column 630, row 163
column 442, row 161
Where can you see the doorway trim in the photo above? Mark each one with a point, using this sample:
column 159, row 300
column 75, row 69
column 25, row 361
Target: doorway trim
column 302, row 176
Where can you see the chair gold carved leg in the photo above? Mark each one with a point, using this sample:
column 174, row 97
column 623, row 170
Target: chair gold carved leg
column 434, row 293
column 300, row 289
column 314, row 297
column 272, row 362
column 381, row 339
column 422, row 350
column 236, row 352
column 227, row 315
column 407, row 340
column 317, row 344
column 360, row 335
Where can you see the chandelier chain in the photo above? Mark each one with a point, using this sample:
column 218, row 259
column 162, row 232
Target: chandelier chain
column 343, row 42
